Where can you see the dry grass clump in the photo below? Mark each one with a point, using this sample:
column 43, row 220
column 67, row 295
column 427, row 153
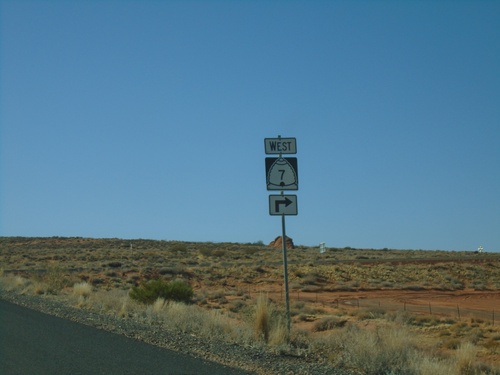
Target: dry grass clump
column 430, row 366
column 395, row 350
column 83, row 289
column 263, row 312
column 209, row 324
column 14, row 283
column 466, row 358
column 270, row 325
column 158, row 305
column 466, row 363
column 385, row 350
column 52, row 282
column 114, row 301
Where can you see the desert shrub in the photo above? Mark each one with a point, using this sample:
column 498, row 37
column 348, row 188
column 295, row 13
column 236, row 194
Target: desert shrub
column 301, row 317
column 413, row 287
column 460, row 329
column 259, row 269
column 311, row 278
column 371, row 313
column 387, row 284
column 300, row 339
column 299, row 305
column 148, row 292
column 452, row 343
column 55, row 279
column 218, row 296
column 475, row 335
column 297, row 309
column 425, row 321
column 298, row 273
column 97, row 281
column 205, row 252
column 178, row 248
column 329, row 322
column 401, row 317
column 219, row 253
column 492, row 345
column 251, row 250
column 237, row 305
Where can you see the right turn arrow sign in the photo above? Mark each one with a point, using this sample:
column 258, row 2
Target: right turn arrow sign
column 283, row 205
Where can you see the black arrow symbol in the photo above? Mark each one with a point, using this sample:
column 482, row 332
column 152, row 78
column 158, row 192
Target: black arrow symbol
column 286, row 202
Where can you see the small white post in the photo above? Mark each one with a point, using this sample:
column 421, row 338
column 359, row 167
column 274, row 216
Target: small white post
column 322, row 247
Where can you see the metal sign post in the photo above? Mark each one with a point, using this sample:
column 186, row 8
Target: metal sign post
column 285, row 272
column 281, row 174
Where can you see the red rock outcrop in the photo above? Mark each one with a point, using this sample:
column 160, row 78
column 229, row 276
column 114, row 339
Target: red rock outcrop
column 277, row 243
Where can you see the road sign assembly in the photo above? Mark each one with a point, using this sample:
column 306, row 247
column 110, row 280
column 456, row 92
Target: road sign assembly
column 282, row 174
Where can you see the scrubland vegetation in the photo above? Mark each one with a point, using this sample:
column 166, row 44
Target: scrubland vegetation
column 233, row 293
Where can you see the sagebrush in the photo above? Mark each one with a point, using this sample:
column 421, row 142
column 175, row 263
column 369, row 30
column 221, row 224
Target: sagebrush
column 148, row 292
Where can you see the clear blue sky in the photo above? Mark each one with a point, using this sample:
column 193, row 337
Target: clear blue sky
column 147, row 119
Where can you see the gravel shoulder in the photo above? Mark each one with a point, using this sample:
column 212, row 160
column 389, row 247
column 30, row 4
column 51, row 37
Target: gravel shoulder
column 249, row 359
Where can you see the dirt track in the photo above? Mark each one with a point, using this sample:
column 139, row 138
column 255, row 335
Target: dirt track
column 459, row 305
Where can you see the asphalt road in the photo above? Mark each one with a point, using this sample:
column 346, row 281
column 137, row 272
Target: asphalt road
column 35, row 343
